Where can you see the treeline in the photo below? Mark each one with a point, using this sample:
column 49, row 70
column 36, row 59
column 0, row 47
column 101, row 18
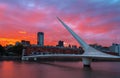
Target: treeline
column 15, row 50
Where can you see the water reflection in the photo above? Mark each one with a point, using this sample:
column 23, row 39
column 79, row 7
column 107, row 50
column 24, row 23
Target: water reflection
column 61, row 66
column 11, row 69
column 7, row 69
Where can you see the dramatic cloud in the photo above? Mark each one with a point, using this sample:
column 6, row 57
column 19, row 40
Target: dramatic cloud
column 96, row 21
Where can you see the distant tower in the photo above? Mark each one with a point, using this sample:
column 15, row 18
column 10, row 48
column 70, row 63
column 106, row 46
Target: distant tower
column 40, row 38
column 60, row 44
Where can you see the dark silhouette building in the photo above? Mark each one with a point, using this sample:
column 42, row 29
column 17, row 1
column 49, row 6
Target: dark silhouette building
column 60, row 43
column 25, row 43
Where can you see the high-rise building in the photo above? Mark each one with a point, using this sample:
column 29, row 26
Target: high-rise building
column 115, row 48
column 40, row 38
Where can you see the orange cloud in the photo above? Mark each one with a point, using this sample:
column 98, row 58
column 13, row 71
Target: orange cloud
column 22, row 32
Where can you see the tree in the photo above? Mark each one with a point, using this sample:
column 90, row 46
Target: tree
column 15, row 50
column 2, row 50
column 18, row 49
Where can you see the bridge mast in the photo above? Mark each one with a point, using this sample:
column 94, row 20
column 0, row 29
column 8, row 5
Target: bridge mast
column 80, row 40
column 86, row 61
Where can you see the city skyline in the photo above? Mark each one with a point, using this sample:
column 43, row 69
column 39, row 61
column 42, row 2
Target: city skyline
column 22, row 19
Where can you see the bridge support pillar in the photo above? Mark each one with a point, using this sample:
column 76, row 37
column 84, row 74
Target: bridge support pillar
column 86, row 62
column 26, row 58
column 23, row 58
column 35, row 58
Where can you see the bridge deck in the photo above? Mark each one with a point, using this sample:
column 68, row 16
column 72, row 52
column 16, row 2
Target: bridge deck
column 71, row 55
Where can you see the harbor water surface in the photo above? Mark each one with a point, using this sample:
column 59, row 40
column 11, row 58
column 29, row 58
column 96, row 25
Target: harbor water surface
column 13, row 69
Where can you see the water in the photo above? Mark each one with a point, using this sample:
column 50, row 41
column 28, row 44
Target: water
column 12, row 69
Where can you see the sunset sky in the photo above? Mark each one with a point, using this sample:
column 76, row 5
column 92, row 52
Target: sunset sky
column 96, row 21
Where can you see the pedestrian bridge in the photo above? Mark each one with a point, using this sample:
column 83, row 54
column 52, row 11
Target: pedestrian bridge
column 66, row 55
column 89, row 54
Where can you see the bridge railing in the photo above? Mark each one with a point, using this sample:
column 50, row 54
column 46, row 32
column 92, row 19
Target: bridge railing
column 50, row 53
